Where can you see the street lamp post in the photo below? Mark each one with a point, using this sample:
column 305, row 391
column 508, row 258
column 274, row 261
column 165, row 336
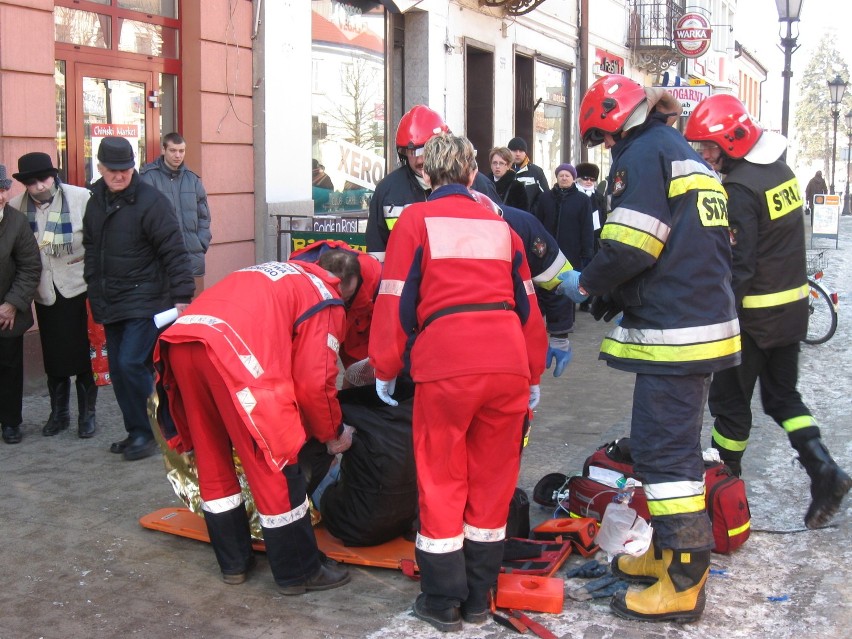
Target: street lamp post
column 836, row 88
column 788, row 11
column 848, row 118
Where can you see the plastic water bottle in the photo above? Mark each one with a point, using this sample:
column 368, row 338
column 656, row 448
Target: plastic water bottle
column 626, row 486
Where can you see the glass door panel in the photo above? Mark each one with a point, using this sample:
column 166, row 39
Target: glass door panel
column 114, row 103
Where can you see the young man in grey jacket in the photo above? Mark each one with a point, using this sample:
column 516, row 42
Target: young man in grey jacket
column 184, row 188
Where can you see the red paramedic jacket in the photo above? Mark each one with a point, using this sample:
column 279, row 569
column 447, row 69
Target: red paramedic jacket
column 447, row 252
column 273, row 332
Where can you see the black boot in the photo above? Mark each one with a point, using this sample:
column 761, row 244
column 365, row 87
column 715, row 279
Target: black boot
column 295, row 560
column 60, row 416
column 829, row 484
column 443, row 583
column 482, row 565
column 732, row 459
column 231, row 539
column 87, row 399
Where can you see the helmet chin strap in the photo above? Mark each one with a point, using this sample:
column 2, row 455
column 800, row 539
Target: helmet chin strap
column 423, row 184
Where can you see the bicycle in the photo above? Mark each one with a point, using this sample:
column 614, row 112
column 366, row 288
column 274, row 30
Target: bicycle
column 823, row 303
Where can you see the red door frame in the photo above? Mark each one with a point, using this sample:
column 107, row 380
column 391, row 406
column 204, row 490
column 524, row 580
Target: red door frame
column 76, row 151
column 114, row 65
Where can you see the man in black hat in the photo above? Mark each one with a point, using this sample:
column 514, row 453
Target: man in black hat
column 55, row 214
column 529, row 174
column 136, row 266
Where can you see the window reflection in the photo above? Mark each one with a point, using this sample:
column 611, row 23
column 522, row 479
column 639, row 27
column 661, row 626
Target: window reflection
column 82, row 28
column 165, row 8
column 61, row 120
column 147, row 38
column 348, row 105
column 112, row 107
column 551, row 124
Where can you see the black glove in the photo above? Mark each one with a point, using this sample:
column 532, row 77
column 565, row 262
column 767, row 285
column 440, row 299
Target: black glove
column 603, row 306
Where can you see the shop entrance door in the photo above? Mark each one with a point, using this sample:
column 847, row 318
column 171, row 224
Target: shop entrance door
column 110, row 102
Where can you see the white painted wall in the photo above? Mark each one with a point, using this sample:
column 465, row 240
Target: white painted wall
column 288, row 118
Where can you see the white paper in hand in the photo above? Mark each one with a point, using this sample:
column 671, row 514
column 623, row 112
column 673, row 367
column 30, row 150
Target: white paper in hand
column 165, row 318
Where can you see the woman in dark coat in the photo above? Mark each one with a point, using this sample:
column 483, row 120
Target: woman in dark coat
column 511, row 193
column 566, row 213
column 20, row 269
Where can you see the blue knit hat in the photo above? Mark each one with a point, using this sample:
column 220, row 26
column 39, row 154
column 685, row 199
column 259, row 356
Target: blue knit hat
column 566, row 167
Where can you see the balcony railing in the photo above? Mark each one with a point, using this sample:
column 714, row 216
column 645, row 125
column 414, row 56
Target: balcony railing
column 651, row 33
column 513, row 7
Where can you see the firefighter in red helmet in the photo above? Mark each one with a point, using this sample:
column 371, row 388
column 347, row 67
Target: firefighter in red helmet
column 768, row 245
column 406, row 185
column 664, row 262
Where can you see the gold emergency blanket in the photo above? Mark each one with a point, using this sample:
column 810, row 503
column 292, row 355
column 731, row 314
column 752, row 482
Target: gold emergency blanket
column 183, row 476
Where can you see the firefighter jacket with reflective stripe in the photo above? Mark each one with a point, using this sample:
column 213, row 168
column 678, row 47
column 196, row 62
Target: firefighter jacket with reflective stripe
column 768, row 245
column 396, row 191
column 665, row 257
column 273, row 332
column 448, row 253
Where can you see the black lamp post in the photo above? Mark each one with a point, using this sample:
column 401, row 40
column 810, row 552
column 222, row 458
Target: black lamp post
column 836, row 88
column 788, row 11
column 846, row 208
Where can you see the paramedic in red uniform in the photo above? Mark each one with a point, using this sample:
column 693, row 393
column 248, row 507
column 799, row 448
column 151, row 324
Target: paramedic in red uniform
column 252, row 364
column 456, row 275
column 359, row 309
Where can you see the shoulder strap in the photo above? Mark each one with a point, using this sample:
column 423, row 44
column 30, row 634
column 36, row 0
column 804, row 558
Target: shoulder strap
column 316, row 308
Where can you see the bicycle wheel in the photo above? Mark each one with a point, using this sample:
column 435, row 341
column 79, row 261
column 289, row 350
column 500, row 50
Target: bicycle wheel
column 822, row 316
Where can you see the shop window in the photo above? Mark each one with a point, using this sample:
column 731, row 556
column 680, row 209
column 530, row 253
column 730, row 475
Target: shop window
column 82, row 28
column 165, row 8
column 551, row 122
column 167, row 99
column 61, row 119
column 147, row 39
column 348, row 130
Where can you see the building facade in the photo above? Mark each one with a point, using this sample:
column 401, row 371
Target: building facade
column 265, row 91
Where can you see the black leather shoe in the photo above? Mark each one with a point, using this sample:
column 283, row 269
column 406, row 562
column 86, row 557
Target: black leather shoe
column 476, row 617
column 444, row 619
column 118, row 447
column 236, row 578
column 325, row 578
column 140, row 448
column 11, row 434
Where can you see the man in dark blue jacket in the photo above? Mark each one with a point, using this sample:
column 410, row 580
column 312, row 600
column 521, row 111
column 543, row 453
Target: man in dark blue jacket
column 136, row 265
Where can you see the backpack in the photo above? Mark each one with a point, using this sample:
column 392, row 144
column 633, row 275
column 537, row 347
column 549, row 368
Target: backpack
column 725, row 494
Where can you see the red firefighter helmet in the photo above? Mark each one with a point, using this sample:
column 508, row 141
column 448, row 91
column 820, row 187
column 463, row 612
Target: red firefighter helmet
column 723, row 119
column 608, row 106
column 417, row 126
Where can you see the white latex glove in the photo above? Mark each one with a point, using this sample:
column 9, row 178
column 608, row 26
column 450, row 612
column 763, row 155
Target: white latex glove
column 384, row 389
column 535, row 395
column 342, row 443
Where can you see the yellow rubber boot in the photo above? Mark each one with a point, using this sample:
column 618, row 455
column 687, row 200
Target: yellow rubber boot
column 677, row 596
column 644, row 569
